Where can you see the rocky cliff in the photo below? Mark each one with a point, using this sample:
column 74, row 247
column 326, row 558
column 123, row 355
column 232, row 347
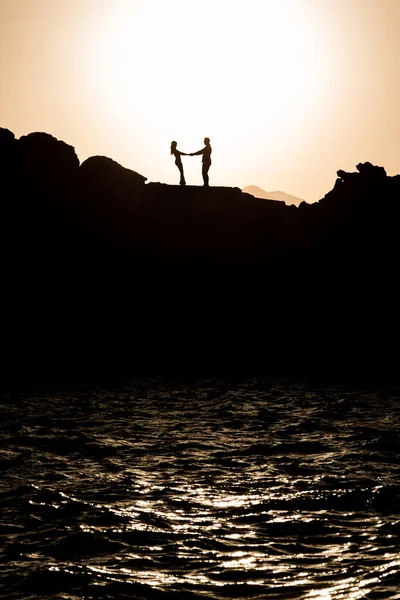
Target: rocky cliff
column 102, row 272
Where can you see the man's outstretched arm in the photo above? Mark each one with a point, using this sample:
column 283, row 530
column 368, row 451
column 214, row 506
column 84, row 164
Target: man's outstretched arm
column 198, row 152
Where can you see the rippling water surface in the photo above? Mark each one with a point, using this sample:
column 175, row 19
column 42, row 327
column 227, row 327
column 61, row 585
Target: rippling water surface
column 209, row 489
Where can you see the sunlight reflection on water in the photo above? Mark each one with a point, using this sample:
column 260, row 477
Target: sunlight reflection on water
column 301, row 500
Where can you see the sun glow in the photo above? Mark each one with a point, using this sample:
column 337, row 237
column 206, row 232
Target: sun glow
column 218, row 68
column 288, row 91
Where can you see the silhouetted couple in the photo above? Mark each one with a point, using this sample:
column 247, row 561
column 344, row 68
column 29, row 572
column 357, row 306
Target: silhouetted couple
column 206, row 160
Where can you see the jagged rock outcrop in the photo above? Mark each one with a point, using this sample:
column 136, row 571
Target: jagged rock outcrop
column 356, row 193
column 45, row 163
column 6, row 140
column 7, row 147
column 108, row 176
column 366, row 170
column 370, row 171
column 107, row 197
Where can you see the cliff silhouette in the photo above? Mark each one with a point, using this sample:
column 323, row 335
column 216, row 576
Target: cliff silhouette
column 104, row 272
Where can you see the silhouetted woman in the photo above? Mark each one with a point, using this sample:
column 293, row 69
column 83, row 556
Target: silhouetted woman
column 177, row 153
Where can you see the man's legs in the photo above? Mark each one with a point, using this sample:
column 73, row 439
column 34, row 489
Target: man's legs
column 204, row 172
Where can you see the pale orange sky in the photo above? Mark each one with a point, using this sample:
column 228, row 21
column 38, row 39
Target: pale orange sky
column 289, row 91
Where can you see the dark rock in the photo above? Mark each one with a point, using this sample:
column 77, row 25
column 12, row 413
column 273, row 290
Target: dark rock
column 109, row 196
column 105, row 272
column 45, row 163
column 343, row 175
column 371, row 171
column 366, row 173
column 6, row 139
column 7, row 147
column 105, row 174
column 357, row 192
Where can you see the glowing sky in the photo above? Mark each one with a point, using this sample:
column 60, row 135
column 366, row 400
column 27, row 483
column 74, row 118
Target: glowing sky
column 289, row 91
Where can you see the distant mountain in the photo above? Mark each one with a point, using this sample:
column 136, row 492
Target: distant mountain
column 256, row 191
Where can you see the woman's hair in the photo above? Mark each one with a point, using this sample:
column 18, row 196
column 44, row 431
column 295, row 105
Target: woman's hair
column 173, row 146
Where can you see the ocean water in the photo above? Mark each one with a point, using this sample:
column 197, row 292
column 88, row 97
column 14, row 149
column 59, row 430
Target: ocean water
column 213, row 488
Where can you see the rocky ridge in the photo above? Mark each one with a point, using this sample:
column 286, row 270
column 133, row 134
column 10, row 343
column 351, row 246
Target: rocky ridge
column 103, row 272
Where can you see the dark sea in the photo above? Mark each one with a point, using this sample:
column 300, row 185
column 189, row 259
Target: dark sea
column 208, row 488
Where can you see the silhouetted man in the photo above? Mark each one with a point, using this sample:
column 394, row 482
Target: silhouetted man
column 206, row 160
